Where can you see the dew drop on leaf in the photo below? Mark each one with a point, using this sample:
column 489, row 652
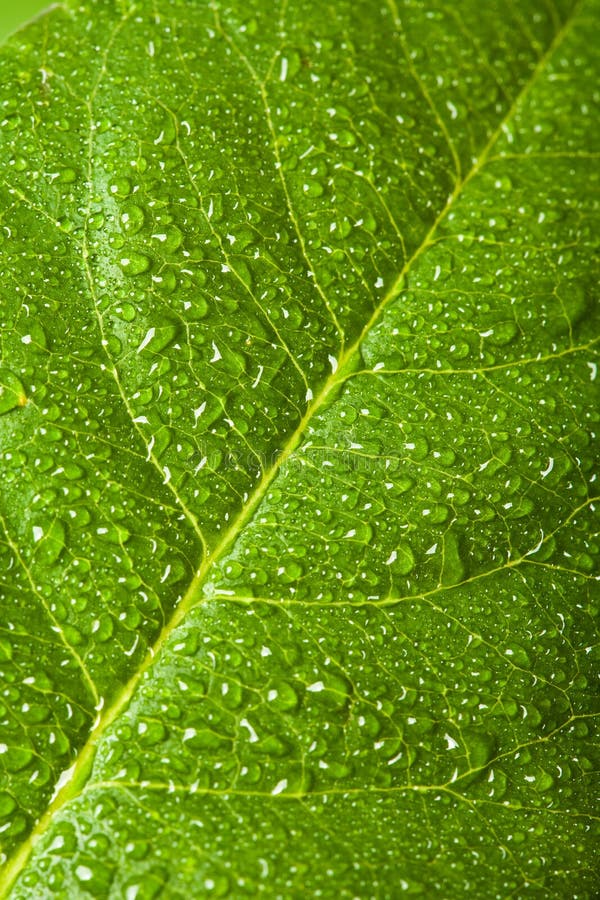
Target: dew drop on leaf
column 12, row 392
column 135, row 263
column 7, row 804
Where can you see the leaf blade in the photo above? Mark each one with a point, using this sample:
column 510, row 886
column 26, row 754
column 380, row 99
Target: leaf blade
column 404, row 559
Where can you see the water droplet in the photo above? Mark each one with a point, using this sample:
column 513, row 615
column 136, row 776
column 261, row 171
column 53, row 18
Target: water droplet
column 12, row 392
column 454, row 569
column 113, row 533
column 312, row 188
column 503, row 333
column 171, row 239
column 401, row 560
column 543, row 782
column 96, row 221
column 135, row 263
column 6, row 650
column 344, row 138
column 17, row 758
column 518, row 656
column 120, row 187
column 50, row 540
column 157, row 338
column 282, row 696
column 151, row 732
column 216, row 886
column 7, row 804
column 166, row 281
column 332, row 692
column 132, row 218
column 480, row 747
column 66, row 175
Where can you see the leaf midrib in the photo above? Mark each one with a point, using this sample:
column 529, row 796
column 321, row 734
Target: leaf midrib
column 82, row 767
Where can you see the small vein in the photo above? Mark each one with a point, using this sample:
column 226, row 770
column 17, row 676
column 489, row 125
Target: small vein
column 112, row 368
column 57, row 627
column 228, row 261
column 261, row 86
column 424, row 89
column 475, row 370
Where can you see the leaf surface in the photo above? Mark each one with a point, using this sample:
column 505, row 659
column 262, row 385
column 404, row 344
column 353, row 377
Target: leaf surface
column 298, row 413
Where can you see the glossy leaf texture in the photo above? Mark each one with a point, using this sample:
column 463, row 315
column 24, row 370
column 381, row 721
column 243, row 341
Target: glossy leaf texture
column 298, row 426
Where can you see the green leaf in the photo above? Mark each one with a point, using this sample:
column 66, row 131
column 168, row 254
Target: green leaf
column 299, row 415
column 13, row 16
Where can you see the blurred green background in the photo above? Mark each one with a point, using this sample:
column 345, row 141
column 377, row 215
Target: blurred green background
column 14, row 13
